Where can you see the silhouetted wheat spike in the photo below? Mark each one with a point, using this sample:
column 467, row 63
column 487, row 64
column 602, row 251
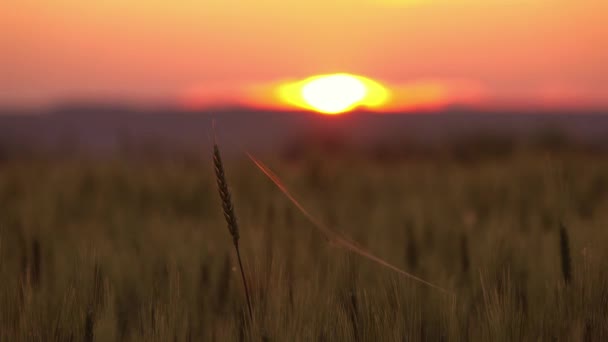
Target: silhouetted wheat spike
column 229, row 215
column 411, row 248
column 353, row 312
column 464, row 254
column 95, row 302
column 564, row 249
column 36, row 263
column 89, row 334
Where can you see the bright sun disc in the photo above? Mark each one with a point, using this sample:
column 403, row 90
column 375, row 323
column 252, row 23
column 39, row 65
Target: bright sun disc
column 334, row 94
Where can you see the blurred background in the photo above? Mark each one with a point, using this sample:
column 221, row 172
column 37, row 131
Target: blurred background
column 99, row 77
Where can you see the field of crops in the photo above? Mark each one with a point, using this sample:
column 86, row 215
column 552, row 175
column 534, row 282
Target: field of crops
column 138, row 249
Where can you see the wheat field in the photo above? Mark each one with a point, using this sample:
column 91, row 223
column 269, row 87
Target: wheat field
column 123, row 249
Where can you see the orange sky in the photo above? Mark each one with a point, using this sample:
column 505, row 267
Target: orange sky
column 494, row 52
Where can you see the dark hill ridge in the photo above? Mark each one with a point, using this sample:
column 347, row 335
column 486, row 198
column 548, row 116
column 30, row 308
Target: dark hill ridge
column 95, row 129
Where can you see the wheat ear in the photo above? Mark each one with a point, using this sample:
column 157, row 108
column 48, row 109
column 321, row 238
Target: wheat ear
column 229, row 215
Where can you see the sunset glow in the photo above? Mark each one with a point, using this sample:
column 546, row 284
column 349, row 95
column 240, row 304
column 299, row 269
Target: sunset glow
column 334, row 93
column 523, row 52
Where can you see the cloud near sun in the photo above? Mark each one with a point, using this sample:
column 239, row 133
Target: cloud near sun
column 338, row 93
column 343, row 92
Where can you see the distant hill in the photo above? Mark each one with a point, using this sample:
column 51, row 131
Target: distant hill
column 105, row 129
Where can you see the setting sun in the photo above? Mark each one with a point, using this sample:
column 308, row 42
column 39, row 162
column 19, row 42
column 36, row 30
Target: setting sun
column 334, row 93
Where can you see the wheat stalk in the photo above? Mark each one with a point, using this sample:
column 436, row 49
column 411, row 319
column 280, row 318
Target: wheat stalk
column 465, row 261
column 330, row 235
column 564, row 249
column 229, row 215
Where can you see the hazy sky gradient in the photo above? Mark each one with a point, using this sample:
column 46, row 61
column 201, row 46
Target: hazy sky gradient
column 514, row 51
